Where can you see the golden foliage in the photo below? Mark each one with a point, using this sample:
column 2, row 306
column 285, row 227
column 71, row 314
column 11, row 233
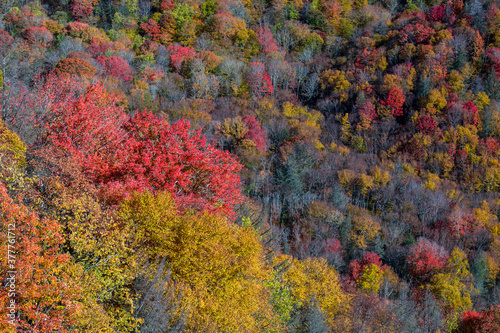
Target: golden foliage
column 432, row 181
column 380, row 177
column 312, row 279
column 454, row 286
column 371, row 279
column 219, row 265
column 305, row 124
column 364, row 228
column 436, row 101
column 12, row 158
column 337, row 82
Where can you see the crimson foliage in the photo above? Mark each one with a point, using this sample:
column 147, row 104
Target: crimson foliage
column 260, row 81
column 487, row 321
column 255, row 133
column 425, row 258
column 116, row 66
column 394, row 101
column 178, row 54
column 127, row 154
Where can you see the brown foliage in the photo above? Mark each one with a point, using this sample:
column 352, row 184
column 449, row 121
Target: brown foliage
column 75, row 66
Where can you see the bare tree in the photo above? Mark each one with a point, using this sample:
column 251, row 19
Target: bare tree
column 160, row 305
column 301, row 73
column 129, row 56
column 306, row 55
column 392, row 6
column 163, row 57
column 68, row 45
column 430, row 314
column 333, row 45
column 204, row 42
column 144, row 8
column 6, row 5
column 280, row 72
column 51, row 58
column 202, row 85
column 459, row 45
column 230, row 76
column 310, row 87
column 454, row 114
column 475, row 9
column 286, row 39
column 171, row 88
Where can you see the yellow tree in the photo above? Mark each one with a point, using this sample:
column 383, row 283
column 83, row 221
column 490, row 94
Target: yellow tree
column 365, row 228
column 304, row 124
column 371, row 279
column 218, row 265
column 455, row 285
column 12, row 158
column 336, row 82
column 313, row 280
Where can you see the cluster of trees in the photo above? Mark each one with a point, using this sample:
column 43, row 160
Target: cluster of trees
column 251, row 166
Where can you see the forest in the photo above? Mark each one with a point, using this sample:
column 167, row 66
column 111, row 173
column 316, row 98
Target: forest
column 228, row 166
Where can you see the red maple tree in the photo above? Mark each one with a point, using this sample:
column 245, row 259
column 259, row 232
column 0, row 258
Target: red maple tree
column 38, row 35
column 266, row 40
column 487, row 321
column 426, row 124
column 255, row 133
column 125, row 154
column 259, row 78
column 436, row 13
column 491, row 145
column 152, row 28
column 472, row 116
column 367, row 109
column 178, row 54
column 96, row 48
column 166, row 5
column 116, row 66
column 394, row 101
column 81, row 9
column 425, row 258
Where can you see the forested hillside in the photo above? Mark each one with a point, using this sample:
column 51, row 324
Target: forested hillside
column 250, row 166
